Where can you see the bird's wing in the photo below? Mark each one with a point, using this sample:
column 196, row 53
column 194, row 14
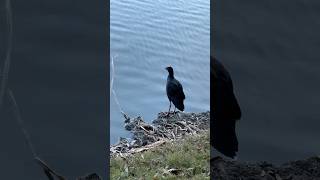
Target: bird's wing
column 181, row 90
column 178, row 89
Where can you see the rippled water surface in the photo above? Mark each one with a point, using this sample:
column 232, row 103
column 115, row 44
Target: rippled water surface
column 145, row 37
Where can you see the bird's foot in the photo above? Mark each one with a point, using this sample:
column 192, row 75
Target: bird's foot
column 170, row 113
column 175, row 112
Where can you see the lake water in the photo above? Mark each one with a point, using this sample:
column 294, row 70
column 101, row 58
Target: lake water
column 145, row 37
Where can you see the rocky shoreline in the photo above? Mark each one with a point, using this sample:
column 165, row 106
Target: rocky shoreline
column 164, row 128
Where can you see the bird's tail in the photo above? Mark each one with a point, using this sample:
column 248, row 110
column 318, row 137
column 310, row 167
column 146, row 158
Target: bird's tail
column 224, row 138
column 178, row 104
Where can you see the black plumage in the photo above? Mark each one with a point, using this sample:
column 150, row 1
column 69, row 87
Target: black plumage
column 226, row 110
column 174, row 91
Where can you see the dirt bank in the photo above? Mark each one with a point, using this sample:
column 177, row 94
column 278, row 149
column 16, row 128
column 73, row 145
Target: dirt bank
column 295, row 170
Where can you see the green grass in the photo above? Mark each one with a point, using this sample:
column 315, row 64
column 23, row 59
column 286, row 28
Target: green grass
column 189, row 156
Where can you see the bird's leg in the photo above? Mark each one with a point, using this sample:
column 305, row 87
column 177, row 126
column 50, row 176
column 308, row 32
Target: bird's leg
column 169, row 109
column 174, row 111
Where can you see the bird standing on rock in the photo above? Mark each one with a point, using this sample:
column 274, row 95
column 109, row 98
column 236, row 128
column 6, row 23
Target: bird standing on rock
column 174, row 91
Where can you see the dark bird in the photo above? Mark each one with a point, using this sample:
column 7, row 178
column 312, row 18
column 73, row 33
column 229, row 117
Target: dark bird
column 226, row 110
column 174, row 91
